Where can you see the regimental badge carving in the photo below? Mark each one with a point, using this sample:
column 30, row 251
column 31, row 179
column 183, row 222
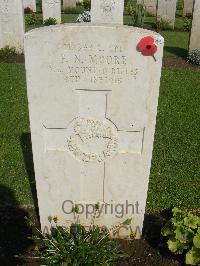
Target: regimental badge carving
column 107, row 6
column 92, row 140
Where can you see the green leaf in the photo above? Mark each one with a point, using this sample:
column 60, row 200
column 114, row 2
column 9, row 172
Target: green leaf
column 184, row 234
column 196, row 240
column 178, row 216
column 175, row 246
column 191, row 221
column 193, row 256
column 127, row 221
column 168, row 229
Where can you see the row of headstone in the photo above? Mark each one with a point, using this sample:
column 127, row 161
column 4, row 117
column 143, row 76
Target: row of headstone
column 50, row 8
column 165, row 10
column 12, row 18
column 93, row 94
column 32, row 4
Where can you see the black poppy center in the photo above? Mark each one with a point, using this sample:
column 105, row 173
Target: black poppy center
column 148, row 47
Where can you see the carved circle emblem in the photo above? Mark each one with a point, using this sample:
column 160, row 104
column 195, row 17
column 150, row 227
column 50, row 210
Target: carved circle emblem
column 92, row 140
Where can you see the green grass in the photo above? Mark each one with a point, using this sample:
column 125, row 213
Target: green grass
column 69, row 18
column 176, row 163
column 175, row 178
column 14, row 124
column 176, row 43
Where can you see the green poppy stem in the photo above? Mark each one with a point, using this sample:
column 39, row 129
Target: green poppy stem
column 154, row 57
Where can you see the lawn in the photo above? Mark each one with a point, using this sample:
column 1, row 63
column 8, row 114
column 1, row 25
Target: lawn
column 175, row 167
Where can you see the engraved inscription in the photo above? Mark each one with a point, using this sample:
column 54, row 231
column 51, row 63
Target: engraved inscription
column 94, row 63
column 93, row 140
column 51, row 3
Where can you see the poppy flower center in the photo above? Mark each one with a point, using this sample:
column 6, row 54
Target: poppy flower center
column 148, row 47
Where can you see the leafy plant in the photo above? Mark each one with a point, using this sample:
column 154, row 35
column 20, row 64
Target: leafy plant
column 31, row 19
column 7, row 52
column 183, row 231
column 50, row 21
column 187, row 24
column 87, row 4
column 194, row 57
column 137, row 13
column 28, row 10
column 78, row 246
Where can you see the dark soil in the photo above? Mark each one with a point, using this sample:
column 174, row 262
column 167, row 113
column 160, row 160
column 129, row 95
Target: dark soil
column 15, row 232
column 178, row 62
column 13, row 59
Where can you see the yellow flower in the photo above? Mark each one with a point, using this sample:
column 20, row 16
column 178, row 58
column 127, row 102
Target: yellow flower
column 55, row 218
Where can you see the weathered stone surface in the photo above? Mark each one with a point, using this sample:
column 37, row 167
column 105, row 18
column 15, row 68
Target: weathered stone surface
column 150, row 5
column 188, row 7
column 51, row 9
column 11, row 24
column 92, row 101
column 69, row 4
column 166, row 11
column 30, row 3
column 195, row 31
column 107, row 11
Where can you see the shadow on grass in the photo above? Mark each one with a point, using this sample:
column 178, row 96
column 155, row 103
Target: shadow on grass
column 28, row 160
column 13, row 229
column 180, row 52
column 153, row 224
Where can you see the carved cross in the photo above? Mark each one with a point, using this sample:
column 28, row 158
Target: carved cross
column 91, row 137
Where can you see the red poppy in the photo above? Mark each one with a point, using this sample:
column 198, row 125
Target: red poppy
column 147, row 46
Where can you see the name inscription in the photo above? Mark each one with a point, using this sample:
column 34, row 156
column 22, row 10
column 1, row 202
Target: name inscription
column 94, row 64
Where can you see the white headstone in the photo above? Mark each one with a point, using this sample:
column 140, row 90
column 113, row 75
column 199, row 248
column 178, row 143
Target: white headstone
column 188, row 7
column 31, row 4
column 107, row 11
column 69, row 4
column 93, row 102
column 12, row 24
column 195, row 31
column 166, row 11
column 150, row 5
column 51, row 9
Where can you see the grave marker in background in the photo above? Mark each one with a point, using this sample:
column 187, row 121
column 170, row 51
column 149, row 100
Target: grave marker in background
column 67, row 4
column 188, row 7
column 166, row 11
column 150, row 5
column 51, row 9
column 12, row 24
column 30, row 3
column 107, row 11
column 195, row 31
